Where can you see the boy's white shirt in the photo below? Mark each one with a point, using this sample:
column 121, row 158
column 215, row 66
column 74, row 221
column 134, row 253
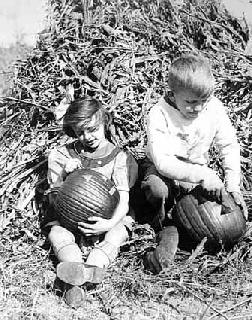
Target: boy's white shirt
column 172, row 137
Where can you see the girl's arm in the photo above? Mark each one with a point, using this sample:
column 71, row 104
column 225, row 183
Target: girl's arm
column 124, row 176
column 59, row 165
column 99, row 225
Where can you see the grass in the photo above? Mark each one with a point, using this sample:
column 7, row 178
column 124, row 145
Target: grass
column 202, row 287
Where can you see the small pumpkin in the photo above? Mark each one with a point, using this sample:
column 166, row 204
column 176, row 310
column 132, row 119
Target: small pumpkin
column 83, row 194
column 203, row 218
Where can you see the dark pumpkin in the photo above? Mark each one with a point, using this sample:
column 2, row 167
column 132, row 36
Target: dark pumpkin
column 203, row 218
column 83, row 194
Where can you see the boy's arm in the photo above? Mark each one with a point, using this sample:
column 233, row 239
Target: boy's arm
column 227, row 143
column 160, row 147
column 230, row 153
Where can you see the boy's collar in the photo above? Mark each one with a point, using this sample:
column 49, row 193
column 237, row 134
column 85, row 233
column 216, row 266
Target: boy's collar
column 169, row 98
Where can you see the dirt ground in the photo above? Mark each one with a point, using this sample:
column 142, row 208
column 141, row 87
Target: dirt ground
column 207, row 287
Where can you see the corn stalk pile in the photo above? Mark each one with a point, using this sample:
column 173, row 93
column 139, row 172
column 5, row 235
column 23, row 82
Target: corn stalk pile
column 119, row 52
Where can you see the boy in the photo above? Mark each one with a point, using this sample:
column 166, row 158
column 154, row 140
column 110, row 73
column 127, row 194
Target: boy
column 181, row 128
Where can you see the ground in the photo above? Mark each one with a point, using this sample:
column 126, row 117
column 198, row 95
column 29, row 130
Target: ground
column 197, row 286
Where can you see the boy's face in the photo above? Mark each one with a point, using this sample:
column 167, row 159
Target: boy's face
column 189, row 104
column 91, row 135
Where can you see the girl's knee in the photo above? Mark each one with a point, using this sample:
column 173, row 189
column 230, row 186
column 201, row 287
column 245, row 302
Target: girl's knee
column 63, row 244
column 59, row 235
column 117, row 235
column 107, row 250
column 103, row 254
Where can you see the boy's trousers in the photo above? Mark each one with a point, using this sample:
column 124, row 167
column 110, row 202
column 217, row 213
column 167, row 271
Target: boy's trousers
column 160, row 192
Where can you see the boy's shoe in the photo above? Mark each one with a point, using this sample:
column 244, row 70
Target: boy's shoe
column 164, row 254
column 77, row 273
column 168, row 245
column 74, row 296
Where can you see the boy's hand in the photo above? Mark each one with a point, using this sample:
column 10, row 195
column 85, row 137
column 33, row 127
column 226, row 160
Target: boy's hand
column 213, row 185
column 238, row 199
column 71, row 165
column 96, row 226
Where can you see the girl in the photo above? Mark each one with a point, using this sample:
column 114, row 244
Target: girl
column 87, row 121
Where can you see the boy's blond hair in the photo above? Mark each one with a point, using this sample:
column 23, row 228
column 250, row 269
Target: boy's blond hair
column 191, row 72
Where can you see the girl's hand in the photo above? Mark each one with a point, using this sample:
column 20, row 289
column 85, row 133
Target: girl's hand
column 238, row 199
column 72, row 164
column 96, row 226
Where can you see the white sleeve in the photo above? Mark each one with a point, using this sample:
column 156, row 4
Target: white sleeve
column 56, row 163
column 227, row 143
column 161, row 151
column 125, row 171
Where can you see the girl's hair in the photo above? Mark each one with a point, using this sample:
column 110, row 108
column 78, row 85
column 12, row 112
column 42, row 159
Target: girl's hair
column 81, row 111
column 191, row 72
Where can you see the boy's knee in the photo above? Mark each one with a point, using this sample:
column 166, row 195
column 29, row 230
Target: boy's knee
column 155, row 188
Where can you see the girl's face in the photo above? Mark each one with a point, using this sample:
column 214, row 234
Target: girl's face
column 91, row 135
column 189, row 104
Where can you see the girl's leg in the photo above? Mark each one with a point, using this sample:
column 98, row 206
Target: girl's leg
column 93, row 271
column 64, row 246
column 106, row 251
column 67, row 252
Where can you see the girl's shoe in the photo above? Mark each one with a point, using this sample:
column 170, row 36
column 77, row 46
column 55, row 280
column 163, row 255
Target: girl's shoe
column 77, row 273
column 151, row 262
column 74, row 296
